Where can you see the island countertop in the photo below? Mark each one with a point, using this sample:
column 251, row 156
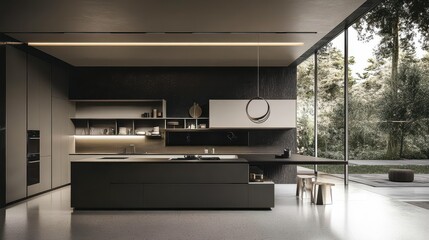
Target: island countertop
column 158, row 159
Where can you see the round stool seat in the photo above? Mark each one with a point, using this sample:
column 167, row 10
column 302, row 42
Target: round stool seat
column 401, row 175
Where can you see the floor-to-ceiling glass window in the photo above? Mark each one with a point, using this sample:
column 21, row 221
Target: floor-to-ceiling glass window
column 305, row 107
column 330, row 99
column 389, row 100
column 388, row 85
column 369, row 76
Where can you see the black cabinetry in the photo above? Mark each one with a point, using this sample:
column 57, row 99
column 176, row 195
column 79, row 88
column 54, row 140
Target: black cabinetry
column 128, row 185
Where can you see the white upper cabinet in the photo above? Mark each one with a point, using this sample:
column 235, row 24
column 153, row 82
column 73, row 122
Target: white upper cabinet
column 232, row 113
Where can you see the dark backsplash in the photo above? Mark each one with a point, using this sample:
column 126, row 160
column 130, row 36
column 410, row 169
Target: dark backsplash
column 181, row 86
column 208, row 138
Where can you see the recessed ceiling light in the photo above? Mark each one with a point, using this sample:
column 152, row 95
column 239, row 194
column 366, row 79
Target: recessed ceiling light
column 165, row 44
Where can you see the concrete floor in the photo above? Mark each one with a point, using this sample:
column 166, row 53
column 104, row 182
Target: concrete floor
column 356, row 214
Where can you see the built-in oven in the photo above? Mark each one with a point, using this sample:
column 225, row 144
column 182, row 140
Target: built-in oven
column 33, row 157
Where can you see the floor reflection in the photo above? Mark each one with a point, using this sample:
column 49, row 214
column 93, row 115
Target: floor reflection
column 354, row 214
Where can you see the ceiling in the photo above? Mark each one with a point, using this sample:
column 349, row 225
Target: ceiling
column 305, row 21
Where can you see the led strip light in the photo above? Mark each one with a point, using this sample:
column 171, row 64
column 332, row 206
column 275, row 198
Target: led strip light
column 165, row 44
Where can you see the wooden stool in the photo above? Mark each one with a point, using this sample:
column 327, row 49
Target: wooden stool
column 322, row 193
column 304, row 185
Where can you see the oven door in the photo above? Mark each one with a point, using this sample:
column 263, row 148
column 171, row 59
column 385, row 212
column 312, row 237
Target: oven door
column 33, row 172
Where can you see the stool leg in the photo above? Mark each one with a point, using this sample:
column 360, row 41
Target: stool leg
column 324, row 195
column 303, row 187
column 307, row 188
column 314, row 194
column 298, row 186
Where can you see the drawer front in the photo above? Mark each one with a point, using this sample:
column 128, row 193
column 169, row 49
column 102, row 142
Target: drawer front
column 126, row 196
column 179, row 173
column 261, row 195
column 195, row 196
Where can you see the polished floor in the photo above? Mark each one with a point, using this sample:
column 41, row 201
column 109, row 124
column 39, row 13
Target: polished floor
column 356, row 214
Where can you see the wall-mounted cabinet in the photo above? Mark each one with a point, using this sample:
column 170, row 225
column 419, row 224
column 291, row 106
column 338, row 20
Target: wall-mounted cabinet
column 231, row 114
column 137, row 117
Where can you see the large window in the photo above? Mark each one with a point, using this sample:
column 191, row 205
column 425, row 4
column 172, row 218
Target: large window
column 368, row 78
column 390, row 95
column 330, row 99
column 305, row 107
column 388, row 77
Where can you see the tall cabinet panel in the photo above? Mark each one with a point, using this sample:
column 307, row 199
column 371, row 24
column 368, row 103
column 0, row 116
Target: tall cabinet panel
column 62, row 127
column 16, row 116
column 2, row 126
column 39, row 116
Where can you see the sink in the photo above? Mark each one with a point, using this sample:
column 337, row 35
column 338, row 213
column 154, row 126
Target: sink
column 193, row 157
column 209, row 158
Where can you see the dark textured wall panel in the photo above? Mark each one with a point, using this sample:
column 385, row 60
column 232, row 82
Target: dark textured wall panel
column 279, row 173
column 181, row 86
column 208, row 138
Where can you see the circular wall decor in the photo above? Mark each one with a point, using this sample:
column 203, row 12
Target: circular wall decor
column 195, row 111
column 258, row 119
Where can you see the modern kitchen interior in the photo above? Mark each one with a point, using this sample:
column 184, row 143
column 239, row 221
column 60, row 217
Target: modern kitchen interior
column 146, row 106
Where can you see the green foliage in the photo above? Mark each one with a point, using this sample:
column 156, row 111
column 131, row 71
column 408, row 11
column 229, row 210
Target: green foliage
column 305, row 111
column 406, row 15
column 405, row 112
column 388, row 102
column 396, row 22
column 330, row 102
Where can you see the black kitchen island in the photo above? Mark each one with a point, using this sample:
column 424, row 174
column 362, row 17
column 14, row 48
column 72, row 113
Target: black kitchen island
column 144, row 182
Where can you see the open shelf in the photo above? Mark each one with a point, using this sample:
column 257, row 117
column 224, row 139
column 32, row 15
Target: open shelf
column 110, row 117
column 124, row 109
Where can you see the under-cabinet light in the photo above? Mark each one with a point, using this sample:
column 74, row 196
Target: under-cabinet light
column 166, row 44
column 108, row 136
